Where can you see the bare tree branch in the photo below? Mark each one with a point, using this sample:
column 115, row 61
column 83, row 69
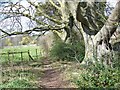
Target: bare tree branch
column 36, row 29
column 41, row 11
column 51, row 1
column 26, row 15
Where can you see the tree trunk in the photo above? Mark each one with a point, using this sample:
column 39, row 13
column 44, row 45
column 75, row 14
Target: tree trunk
column 95, row 53
column 90, row 48
column 97, row 47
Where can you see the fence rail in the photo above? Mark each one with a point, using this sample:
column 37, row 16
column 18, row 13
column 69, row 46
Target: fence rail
column 13, row 52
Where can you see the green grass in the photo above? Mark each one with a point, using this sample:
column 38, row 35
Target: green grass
column 20, row 78
column 18, row 83
column 17, row 57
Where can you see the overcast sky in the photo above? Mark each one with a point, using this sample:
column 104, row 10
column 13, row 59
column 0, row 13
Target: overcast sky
column 112, row 2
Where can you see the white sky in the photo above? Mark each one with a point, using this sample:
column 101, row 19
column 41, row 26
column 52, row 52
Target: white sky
column 112, row 2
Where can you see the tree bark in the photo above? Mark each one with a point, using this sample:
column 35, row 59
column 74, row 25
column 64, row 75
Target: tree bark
column 96, row 46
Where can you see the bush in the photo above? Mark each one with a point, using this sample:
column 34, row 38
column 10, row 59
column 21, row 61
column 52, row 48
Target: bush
column 64, row 51
column 9, row 42
column 25, row 40
column 99, row 76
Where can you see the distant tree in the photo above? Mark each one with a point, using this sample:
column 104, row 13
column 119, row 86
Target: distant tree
column 25, row 40
column 8, row 42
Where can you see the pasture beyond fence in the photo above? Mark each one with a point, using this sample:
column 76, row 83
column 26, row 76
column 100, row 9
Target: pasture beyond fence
column 11, row 55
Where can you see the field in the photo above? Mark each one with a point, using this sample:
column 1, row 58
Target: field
column 16, row 57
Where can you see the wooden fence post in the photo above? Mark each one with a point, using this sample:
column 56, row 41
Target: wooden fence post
column 29, row 54
column 21, row 56
column 30, row 57
column 40, row 53
column 13, row 56
column 36, row 54
column 8, row 56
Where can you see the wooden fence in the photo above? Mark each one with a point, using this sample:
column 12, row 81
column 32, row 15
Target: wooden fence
column 21, row 54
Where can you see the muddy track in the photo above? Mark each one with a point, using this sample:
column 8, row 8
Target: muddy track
column 52, row 77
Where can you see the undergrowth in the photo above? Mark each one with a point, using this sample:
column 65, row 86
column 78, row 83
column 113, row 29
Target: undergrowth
column 99, row 77
column 66, row 51
column 18, row 83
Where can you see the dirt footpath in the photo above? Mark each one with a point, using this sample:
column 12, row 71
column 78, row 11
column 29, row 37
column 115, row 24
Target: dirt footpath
column 53, row 76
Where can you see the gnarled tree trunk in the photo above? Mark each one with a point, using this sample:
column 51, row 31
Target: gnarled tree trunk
column 97, row 46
